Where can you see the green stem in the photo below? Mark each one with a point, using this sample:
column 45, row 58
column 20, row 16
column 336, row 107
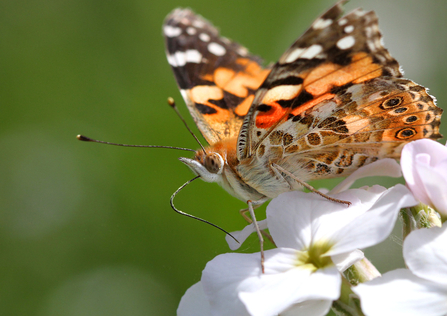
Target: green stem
column 348, row 304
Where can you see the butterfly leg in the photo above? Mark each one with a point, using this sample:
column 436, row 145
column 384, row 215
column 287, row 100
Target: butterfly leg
column 307, row 186
column 244, row 212
column 258, row 231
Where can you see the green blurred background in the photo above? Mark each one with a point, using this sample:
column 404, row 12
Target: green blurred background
column 86, row 229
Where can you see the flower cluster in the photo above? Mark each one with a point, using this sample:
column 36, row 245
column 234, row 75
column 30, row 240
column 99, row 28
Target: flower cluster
column 319, row 246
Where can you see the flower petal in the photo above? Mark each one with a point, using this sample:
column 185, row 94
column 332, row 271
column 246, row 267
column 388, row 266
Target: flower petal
column 434, row 185
column 383, row 167
column 235, row 285
column 296, row 219
column 243, row 234
column 375, row 225
column 228, row 274
column 345, row 260
column 399, row 292
column 425, row 254
column 194, row 302
column 280, row 293
column 290, row 216
column 408, row 161
column 314, row 308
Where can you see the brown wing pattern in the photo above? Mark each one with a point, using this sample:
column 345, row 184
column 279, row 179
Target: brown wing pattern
column 359, row 125
column 334, row 102
column 217, row 77
column 333, row 54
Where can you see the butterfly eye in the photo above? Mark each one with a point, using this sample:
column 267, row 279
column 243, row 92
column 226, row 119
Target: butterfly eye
column 214, row 163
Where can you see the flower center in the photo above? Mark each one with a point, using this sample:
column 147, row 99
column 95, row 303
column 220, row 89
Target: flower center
column 313, row 258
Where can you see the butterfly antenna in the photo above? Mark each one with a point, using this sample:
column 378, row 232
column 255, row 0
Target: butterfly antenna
column 88, row 139
column 192, row 216
column 171, row 102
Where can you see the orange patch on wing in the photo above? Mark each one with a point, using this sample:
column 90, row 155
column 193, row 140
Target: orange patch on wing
column 312, row 103
column 202, row 95
column 321, row 79
column 251, row 77
column 252, row 67
column 208, row 77
column 222, row 76
column 221, row 117
column 238, row 83
column 272, row 116
column 242, row 108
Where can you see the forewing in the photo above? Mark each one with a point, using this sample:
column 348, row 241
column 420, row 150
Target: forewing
column 333, row 54
column 334, row 102
column 217, row 77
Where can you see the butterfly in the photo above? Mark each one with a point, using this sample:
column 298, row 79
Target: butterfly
column 334, row 101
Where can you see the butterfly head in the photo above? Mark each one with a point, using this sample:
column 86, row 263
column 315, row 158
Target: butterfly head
column 209, row 166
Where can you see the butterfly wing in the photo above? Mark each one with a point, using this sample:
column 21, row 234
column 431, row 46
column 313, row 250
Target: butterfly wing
column 217, row 77
column 335, row 101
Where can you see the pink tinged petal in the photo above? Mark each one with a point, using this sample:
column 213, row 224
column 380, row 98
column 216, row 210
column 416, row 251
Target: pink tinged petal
column 227, row 275
column 408, row 161
column 277, row 294
column 434, row 185
column 399, row 292
column 194, row 302
column 425, row 254
column 314, row 308
column 441, row 167
column 383, row 167
column 345, row 260
column 243, row 234
column 375, row 225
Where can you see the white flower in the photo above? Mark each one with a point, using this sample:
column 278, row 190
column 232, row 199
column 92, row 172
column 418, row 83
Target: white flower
column 194, row 302
column 317, row 238
column 424, row 166
column 421, row 290
column 383, row 167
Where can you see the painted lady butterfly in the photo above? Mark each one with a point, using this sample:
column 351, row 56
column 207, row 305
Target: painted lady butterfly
column 334, row 101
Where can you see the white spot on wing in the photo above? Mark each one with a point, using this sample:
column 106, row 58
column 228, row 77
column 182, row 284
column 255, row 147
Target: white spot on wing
column 312, row 51
column 198, row 23
column 171, row 60
column 216, row 49
column 308, row 53
column 204, row 37
column 283, row 92
column 193, row 56
column 172, row 31
column 342, row 22
column 191, row 31
column 360, row 12
column 242, row 51
column 294, row 55
column 321, row 24
column 346, row 42
column 180, row 59
column 184, row 94
column 349, row 29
